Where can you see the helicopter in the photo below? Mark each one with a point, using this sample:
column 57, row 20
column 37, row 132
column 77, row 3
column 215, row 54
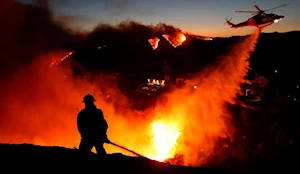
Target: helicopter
column 260, row 20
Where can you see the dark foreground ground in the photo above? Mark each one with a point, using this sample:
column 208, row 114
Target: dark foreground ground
column 30, row 158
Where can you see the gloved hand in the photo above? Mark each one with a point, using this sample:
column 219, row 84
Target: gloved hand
column 106, row 140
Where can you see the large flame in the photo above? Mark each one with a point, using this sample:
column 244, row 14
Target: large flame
column 164, row 140
column 201, row 112
column 186, row 121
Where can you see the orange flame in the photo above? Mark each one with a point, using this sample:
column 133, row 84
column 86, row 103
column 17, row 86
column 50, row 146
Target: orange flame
column 176, row 40
column 205, row 38
column 187, row 121
column 200, row 112
column 57, row 61
column 154, row 42
column 164, row 140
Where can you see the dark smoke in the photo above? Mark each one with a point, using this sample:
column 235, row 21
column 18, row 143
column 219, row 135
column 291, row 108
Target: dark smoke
column 128, row 30
column 31, row 30
column 28, row 31
column 38, row 102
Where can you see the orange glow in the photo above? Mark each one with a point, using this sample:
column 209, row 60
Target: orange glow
column 206, row 38
column 164, row 140
column 40, row 107
column 182, row 38
column 176, row 40
column 56, row 61
column 154, row 42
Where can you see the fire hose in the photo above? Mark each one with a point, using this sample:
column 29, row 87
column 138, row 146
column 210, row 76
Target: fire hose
column 124, row 148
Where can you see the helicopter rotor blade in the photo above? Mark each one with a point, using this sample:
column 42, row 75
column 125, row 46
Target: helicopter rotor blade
column 244, row 11
column 259, row 10
column 256, row 6
column 227, row 20
column 275, row 11
column 277, row 7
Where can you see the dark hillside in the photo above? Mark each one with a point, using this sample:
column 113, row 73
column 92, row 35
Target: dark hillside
column 30, row 158
column 274, row 50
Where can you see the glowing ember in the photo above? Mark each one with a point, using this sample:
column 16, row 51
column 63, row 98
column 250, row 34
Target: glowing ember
column 154, row 42
column 164, row 140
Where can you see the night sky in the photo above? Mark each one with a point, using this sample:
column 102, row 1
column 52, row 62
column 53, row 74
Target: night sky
column 202, row 17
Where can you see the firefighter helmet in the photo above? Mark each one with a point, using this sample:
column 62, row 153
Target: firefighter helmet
column 88, row 98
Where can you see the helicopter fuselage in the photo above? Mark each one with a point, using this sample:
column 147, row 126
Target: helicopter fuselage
column 259, row 21
column 263, row 20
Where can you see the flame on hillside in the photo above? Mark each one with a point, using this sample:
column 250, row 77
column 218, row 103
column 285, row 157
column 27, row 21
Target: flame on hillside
column 56, row 61
column 175, row 40
column 154, row 42
column 164, row 140
column 41, row 107
column 185, row 121
column 205, row 38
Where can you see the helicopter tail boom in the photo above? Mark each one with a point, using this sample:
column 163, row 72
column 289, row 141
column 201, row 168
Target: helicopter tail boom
column 240, row 25
column 231, row 25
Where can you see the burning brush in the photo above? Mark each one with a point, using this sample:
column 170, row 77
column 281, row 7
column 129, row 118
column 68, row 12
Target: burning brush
column 154, row 42
column 176, row 40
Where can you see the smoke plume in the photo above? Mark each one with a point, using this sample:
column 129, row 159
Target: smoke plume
column 29, row 31
column 128, row 30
